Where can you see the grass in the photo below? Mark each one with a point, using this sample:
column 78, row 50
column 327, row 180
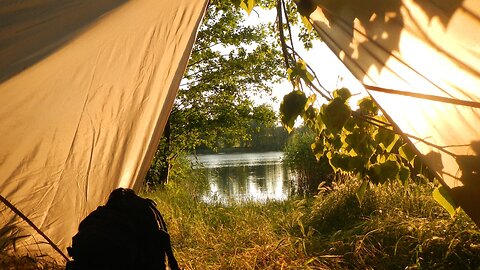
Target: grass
column 235, row 237
column 14, row 262
column 395, row 227
column 9, row 235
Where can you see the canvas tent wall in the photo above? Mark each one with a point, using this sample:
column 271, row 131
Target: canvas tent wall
column 420, row 62
column 86, row 87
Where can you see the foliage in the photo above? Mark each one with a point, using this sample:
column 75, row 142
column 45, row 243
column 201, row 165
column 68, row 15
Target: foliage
column 396, row 227
column 440, row 195
column 186, row 180
column 231, row 62
column 160, row 165
column 182, row 175
column 359, row 142
column 309, row 172
column 267, row 138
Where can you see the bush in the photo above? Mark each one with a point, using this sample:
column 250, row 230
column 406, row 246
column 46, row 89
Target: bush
column 183, row 178
column 299, row 157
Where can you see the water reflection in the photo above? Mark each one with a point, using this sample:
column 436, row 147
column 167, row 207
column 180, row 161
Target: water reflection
column 246, row 176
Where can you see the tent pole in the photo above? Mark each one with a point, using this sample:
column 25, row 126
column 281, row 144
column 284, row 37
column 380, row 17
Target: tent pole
column 29, row 222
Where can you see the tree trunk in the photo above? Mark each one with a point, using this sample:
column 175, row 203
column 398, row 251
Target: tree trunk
column 164, row 172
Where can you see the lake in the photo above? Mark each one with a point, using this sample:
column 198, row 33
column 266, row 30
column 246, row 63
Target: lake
column 246, row 176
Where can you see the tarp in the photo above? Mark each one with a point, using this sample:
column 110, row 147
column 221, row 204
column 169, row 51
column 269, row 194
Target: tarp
column 86, row 87
column 420, row 61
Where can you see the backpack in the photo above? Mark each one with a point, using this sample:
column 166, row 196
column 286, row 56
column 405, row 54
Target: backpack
column 127, row 233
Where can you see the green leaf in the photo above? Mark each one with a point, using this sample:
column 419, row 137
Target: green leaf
column 441, row 196
column 392, row 144
column 355, row 138
column 350, row 125
column 299, row 71
column 360, row 193
column 308, row 77
column 248, row 5
column 373, row 173
column 318, row 148
column 292, row 74
column 381, row 158
column 292, row 106
column 404, row 174
column 407, row 153
column 236, row 2
column 310, row 113
column 336, row 142
column 356, row 163
column 305, row 8
column 386, row 139
column 367, row 106
column 342, row 93
column 338, row 162
column 360, row 142
column 383, row 172
column 303, row 72
column 319, row 125
column 390, row 170
column 311, row 99
column 336, row 114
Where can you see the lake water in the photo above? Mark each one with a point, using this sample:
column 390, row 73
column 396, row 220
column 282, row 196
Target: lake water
column 246, row 176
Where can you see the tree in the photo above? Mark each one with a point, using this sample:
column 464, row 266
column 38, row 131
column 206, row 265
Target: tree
column 230, row 64
column 264, row 137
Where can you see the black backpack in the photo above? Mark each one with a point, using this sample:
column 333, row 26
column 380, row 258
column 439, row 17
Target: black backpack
column 127, row 233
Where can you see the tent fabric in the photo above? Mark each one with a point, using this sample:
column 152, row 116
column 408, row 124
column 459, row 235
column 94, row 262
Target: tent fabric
column 86, row 87
column 420, row 62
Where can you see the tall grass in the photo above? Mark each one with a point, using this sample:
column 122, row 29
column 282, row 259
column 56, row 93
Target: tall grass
column 10, row 234
column 214, row 236
column 395, row 227
column 225, row 236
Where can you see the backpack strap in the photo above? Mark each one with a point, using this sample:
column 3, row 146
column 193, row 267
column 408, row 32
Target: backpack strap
column 172, row 262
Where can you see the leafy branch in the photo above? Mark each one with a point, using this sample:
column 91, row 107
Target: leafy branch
column 360, row 142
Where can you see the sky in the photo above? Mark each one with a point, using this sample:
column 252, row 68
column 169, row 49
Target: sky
column 329, row 69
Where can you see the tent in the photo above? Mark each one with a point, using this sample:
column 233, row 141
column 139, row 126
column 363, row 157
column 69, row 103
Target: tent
column 86, row 87
column 420, row 62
